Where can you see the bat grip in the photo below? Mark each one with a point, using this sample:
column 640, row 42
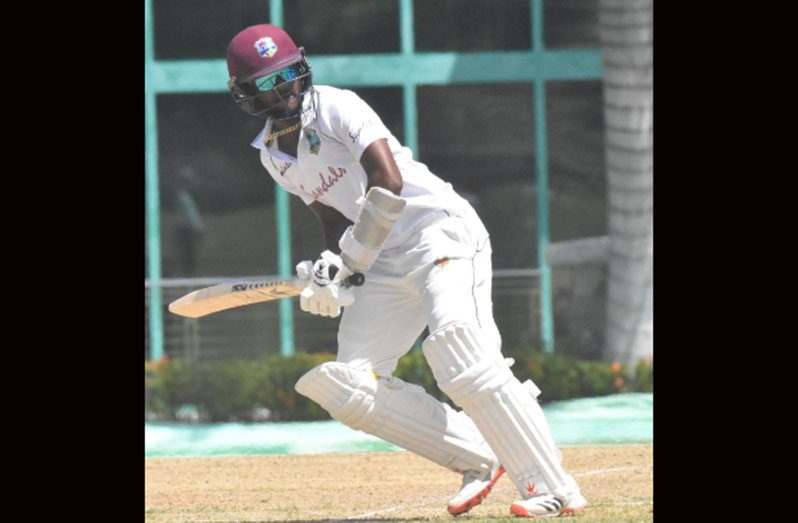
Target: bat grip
column 354, row 280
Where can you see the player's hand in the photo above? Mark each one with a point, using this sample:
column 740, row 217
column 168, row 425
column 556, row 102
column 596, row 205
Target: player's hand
column 330, row 269
column 325, row 294
column 304, row 269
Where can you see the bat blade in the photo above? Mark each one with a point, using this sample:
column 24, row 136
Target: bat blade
column 225, row 296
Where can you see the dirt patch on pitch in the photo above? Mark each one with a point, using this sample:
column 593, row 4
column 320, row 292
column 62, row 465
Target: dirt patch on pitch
column 616, row 480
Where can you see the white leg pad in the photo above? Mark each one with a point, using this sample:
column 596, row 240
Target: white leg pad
column 540, row 419
column 477, row 378
column 399, row 412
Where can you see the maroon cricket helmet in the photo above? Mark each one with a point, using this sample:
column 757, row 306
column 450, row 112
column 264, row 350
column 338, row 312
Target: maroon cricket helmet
column 259, row 50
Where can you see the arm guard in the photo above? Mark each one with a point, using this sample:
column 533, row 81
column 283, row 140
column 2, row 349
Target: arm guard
column 362, row 242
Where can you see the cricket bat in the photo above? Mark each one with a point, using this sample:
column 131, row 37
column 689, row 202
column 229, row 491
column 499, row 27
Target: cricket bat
column 224, row 296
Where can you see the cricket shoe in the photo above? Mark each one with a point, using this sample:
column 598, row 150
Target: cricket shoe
column 476, row 486
column 546, row 505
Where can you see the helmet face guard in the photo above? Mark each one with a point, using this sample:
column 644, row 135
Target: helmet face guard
column 250, row 94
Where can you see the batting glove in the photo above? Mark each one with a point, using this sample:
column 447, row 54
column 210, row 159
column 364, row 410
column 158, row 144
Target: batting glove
column 325, row 294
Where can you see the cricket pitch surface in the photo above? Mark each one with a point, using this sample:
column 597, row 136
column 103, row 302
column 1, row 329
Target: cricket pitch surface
column 376, row 486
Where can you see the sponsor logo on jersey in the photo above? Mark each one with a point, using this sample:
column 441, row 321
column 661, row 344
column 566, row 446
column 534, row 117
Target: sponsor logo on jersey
column 280, row 169
column 354, row 136
column 266, row 47
column 327, row 183
column 313, row 138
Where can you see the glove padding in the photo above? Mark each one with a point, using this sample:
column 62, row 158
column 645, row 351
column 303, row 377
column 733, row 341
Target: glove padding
column 325, row 294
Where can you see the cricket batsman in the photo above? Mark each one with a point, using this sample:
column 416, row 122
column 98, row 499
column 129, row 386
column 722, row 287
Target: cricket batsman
column 426, row 258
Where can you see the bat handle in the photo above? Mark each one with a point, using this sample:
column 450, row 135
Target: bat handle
column 354, row 280
column 357, row 279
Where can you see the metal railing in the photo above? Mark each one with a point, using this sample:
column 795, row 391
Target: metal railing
column 408, row 69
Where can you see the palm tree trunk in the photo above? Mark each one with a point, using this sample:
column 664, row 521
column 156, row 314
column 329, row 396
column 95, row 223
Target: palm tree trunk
column 626, row 33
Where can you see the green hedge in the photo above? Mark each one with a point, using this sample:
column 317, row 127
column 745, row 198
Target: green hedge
column 234, row 389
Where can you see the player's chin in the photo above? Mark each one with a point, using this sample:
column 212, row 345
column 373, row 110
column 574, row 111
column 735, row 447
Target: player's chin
column 286, row 110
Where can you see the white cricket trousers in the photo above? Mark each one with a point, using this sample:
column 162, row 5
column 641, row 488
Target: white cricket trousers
column 440, row 275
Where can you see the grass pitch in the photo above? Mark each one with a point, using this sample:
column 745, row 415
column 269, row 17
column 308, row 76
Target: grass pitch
column 381, row 486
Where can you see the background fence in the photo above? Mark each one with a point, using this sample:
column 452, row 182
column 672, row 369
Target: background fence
column 253, row 331
column 502, row 98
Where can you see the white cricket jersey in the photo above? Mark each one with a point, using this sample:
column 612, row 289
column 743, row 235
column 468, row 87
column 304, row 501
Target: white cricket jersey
column 337, row 127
